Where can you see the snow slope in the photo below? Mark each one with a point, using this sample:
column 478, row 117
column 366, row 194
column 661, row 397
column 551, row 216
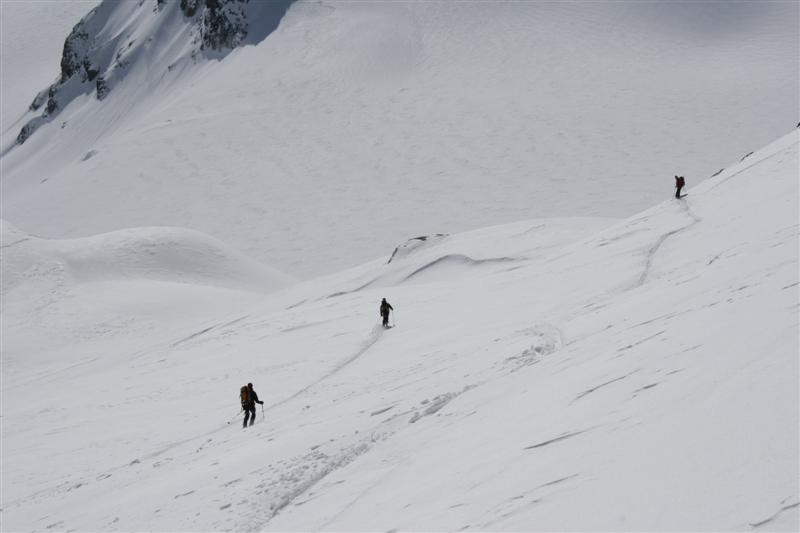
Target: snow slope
column 355, row 125
column 637, row 375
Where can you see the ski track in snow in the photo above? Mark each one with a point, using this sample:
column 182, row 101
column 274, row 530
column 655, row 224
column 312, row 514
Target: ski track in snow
column 371, row 340
column 294, row 486
column 651, row 253
column 299, row 481
column 294, row 482
column 561, row 437
column 206, row 330
column 779, row 512
column 747, row 167
column 600, row 386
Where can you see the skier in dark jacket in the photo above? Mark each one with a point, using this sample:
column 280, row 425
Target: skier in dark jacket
column 679, row 183
column 249, row 405
column 385, row 308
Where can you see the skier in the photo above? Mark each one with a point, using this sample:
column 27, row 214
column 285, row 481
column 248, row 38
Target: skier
column 249, row 401
column 385, row 308
column 679, row 183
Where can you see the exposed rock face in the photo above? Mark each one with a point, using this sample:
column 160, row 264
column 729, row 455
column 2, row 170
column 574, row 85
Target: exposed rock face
column 91, row 64
column 102, row 88
column 75, row 58
column 223, row 24
column 189, row 7
column 40, row 99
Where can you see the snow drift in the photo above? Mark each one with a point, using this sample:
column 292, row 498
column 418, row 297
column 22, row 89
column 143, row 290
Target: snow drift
column 174, row 255
column 117, row 286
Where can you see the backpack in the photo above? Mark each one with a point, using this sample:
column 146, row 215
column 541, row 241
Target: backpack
column 244, row 394
column 681, row 183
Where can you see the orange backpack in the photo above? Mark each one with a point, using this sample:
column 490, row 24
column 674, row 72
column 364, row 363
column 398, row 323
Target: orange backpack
column 245, row 396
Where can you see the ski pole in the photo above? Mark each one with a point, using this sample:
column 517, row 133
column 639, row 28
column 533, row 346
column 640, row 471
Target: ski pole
column 234, row 416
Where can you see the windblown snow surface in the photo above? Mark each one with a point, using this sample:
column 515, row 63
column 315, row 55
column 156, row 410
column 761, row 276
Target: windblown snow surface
column 354, row 125
column 544, row 375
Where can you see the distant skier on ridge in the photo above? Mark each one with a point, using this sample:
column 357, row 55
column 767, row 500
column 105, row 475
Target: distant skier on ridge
column 249, row 400
column 384, row 310
column 679, row 184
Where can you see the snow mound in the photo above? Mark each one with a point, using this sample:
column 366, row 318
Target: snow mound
column 411, row 245
column 441, row 257
column 128, row 284
column 173, row 255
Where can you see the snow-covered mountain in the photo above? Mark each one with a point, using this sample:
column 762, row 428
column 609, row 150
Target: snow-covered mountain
column 571, row 374
column 117, row 38
column 591, row 355
column 316, row 138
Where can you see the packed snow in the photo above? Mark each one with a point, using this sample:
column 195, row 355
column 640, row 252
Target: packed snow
column 544, row 375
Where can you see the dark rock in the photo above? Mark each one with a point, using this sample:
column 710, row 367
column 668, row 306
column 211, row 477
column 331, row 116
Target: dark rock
column 223, row 24
column 74, row 54
column 28, row 129
column 52, row 105
column 102, row 88
column 24, row 133
column 38, row 100
column 189, row 7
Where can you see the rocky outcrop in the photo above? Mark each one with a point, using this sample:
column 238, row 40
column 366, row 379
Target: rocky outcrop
column 223, row 24
column 189, row 7
column 75, row 58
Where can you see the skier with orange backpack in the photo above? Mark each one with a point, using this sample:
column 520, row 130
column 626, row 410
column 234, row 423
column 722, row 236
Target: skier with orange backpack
column 249, row 400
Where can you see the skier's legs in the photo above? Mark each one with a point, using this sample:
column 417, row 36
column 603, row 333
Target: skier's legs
column 252, row 415
column 385, row 319
column 246, row 416
column 678, row 192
